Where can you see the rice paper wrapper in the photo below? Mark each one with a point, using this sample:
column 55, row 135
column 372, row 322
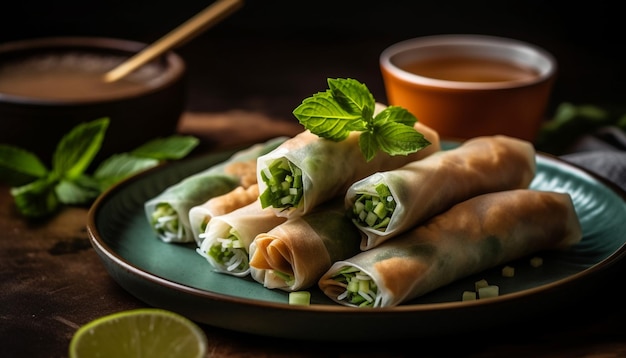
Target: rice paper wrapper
column 303, row 248
column 475, row 235
column 204, row 185
column 427, row 187
column 329, row 167
column 200, row 215
column 249, row 221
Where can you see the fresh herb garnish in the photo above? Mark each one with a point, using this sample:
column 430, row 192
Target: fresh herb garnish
column 349, row 106
column 39, row 191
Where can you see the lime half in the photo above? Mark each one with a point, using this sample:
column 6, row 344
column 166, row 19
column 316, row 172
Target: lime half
column 145, row 332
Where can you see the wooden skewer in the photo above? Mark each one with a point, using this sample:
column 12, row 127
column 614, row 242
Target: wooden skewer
column 186, row 31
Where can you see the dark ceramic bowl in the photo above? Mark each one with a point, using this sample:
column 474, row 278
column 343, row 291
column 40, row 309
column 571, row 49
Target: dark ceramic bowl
column 41, row 99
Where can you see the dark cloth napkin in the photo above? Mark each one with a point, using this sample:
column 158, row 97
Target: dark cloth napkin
column 602, row 152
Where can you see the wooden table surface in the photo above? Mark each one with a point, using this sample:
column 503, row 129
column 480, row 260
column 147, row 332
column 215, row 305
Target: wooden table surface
column 52, row 282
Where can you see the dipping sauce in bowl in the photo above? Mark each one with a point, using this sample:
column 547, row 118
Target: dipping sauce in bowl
column 69, row 76
column 50, row 85
column 465, row 86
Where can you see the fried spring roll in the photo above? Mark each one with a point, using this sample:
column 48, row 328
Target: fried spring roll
column 474, row 235
column 385, row 204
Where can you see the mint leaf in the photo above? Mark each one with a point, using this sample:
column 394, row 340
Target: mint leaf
column 81, row 190
column 353, row 96
column 349, row 106
column 324, row 116
column 170, row 148
column 77, row 149
column 399, row 139
column 19, row 167
column 121, row 166
column 37, row 199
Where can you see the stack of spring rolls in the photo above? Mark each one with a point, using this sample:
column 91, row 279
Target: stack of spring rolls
column 380, row 233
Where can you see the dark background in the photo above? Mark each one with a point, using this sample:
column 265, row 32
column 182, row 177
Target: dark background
column 269, row 55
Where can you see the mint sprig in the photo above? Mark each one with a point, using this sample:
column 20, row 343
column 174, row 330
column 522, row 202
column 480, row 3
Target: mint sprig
column 39, row 191
column 347, row 106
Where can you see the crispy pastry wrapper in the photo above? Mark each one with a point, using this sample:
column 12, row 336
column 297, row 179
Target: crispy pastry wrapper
column 303, row 247
column 200, row 215
column 474, row 235
column 249, row 221
column 432, row 185
column 329, row 167
column 204, row 185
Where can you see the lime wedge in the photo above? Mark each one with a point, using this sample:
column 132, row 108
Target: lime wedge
column 144, row 332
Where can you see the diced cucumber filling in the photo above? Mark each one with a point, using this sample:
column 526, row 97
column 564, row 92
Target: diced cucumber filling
column 284, row 184
column 374, row 210
column 361, row 290
column 165, row 222
column 289, row 279
column 229, row 253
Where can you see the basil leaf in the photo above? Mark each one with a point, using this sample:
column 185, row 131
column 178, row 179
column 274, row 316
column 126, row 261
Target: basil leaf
column 37, row 199
column 368, row 145
column 353, row 96
column 77, row 149
column 170, row 148
column 81, row 190
column 121, row 166
column 395, row 114
column 19, row 167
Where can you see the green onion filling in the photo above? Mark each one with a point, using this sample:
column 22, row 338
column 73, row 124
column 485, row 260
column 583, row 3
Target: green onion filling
column 374, row 210
column 229, row 253
column 165, row 222
column 284, row 184
column 361, row 290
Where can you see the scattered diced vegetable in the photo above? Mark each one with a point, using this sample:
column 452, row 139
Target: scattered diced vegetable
column 488, row 291
column 536, row 261
column 480, row 284
column 508, row 271
column 469, row 295
column 302, row 298
column 374, row 211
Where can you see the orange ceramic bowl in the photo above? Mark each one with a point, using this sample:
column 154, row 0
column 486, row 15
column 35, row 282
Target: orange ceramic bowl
column 465, row 86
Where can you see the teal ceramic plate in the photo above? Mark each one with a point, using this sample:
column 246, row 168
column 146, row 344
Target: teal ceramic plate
column 175, row 277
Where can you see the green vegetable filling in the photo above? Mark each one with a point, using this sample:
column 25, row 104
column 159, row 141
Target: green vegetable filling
column 361, row 290
column 374, row 211
column 284, row 185
column 289, row 279
column 165, row 222
column 229, row 253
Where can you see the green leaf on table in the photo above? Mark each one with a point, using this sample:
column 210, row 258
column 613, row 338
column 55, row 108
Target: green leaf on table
column 81, row 190
column 170, row 148
column 77, row 149
column 121, row 166
column 349, row 106
column 19, row 167
column 38, row 198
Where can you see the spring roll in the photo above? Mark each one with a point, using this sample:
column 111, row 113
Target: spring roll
column 200, row 215
column 168, row 212
column 293, row 255
column 385, row 204
column 227, row 238
column 474, row 235
column 307, row 170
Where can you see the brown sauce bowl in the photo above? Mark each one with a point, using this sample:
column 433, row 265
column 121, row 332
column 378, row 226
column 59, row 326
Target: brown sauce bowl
column 50, row 85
